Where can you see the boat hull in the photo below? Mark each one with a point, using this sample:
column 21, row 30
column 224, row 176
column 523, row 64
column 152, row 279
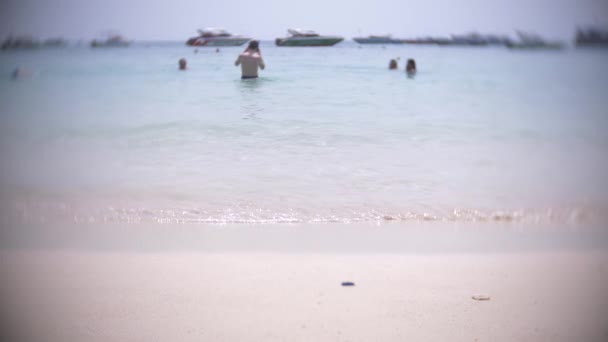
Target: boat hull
column 223, row 41
column 426, row 41
column 19, row 44
column 377, row 41
column 532, row 46
column 591, row 42
column 96, row 44
column 461, row 43
column 308, row 41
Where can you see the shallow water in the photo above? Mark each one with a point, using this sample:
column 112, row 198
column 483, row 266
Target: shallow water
column 325, row 135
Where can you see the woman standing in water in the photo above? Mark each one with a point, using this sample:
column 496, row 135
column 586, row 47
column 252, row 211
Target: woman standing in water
column 250, row 60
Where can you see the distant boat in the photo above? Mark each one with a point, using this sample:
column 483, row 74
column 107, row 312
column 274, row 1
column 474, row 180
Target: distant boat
column 55, row 42
column 533, row 41
column 217, row 37
column 471, row 39
column 384, row 39
column 468, row 39
column 25, row 42
column 591, row 37
column 421, row 41
column 493, row 39
column 112, row 41
column 307, row 38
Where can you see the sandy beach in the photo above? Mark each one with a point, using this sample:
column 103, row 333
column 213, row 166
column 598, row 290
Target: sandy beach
column 278, row 291
column 158, row 184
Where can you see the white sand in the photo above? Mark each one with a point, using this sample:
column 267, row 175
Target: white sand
column 70, row 295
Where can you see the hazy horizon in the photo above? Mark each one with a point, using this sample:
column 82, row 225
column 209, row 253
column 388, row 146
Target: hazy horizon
column 268, row 19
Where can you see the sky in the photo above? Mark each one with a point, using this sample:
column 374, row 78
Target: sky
column 268, row 19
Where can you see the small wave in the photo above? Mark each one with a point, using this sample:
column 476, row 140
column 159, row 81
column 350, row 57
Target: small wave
column 27, row 212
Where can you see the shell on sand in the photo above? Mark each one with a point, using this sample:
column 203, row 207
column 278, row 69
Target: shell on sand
column 481, row 297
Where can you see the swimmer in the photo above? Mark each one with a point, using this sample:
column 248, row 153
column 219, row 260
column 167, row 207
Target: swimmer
column 20, row 72
column 182, row 64
column 392, row 65
column 410, row 68
column 250, row 60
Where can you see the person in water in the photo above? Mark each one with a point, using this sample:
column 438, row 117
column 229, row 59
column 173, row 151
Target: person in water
column 410, row 68
column 250, row 60
column 182, row 64
column 392, row 65
column 20, row 72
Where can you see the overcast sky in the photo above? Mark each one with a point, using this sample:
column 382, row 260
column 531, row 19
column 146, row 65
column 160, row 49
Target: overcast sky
column 268, row 19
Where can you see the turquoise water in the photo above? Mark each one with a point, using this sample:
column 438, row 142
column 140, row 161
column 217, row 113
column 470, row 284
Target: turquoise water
column 325, row 135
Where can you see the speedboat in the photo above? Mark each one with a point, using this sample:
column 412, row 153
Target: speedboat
column 301, row 37
column 385, row 39
column 217, row 37
column 112, row 41
column 533, row 41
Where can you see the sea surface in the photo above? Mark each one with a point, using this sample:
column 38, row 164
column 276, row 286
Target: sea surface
column 324, row 135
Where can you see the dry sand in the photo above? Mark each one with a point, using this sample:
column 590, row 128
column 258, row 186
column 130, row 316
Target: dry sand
column 87, row 294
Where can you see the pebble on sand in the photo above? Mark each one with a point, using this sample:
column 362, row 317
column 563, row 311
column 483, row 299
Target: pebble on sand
column 481, row 297
column 348, row 283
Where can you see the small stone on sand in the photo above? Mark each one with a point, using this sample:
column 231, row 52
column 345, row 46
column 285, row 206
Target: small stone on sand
column 348, row 283
column 481, row 297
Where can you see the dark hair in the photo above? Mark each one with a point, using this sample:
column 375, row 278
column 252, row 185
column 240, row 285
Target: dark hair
column 411, row 64
column 254, row 45
column 182, row 63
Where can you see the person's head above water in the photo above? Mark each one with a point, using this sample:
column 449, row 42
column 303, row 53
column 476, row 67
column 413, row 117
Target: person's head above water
column 182, row 64
column 254, row 45
column 411, row 66
column 20, row 72
column 392, row 65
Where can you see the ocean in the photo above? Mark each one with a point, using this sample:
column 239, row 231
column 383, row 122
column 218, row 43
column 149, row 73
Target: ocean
column 325, row 135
